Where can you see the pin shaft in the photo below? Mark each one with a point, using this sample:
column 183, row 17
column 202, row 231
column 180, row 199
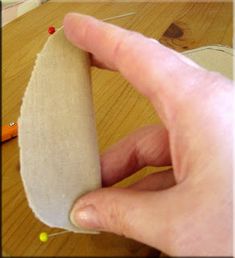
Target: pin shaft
column 58, row 233
column 118, row 16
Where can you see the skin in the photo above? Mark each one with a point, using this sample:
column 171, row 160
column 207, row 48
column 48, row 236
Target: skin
column 183, row 211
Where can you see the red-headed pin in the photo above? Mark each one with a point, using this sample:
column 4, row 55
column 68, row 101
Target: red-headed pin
column 51, row 30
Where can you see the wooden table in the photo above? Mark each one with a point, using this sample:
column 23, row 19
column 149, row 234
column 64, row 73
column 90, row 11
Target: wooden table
column 119, row 109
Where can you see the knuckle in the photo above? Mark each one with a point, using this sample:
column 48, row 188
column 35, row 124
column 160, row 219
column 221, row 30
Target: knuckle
column 116, row 220
column 203, row 89
column 216, row 80
column 85, row 32
column 120, row 45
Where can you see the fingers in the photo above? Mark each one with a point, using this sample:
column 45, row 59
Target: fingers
column 148, row 146
column 143, row 216
column 156, row 181
column 157, row 72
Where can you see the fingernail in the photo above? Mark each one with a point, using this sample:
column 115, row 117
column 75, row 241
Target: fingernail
column 85, row 217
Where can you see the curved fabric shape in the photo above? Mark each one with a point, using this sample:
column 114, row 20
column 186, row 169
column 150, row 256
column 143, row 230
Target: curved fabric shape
column 216, row 58
column 57, row 137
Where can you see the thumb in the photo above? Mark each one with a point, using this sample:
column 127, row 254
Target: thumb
column 141, row 215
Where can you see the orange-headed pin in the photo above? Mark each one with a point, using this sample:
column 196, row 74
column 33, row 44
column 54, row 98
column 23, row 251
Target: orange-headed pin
column 9, row 131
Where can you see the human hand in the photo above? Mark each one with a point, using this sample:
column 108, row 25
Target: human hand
column 183, row 211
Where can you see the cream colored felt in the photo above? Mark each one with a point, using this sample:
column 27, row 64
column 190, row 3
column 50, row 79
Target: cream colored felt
column 214, row 58
column 57, row 136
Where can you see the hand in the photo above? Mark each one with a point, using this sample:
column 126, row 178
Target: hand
column 183, row 211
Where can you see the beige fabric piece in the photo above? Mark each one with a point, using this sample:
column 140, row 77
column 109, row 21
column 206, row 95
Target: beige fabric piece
column 214, row 58
column 57, row 137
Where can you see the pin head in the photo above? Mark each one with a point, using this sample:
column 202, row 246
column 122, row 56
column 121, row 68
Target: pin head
column 51, row 30
column 12, row 123
column 43, row 237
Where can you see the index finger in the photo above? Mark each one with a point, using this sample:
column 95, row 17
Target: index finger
column 157, row 72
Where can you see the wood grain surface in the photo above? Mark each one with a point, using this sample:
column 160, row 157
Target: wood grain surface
column 119, row 109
